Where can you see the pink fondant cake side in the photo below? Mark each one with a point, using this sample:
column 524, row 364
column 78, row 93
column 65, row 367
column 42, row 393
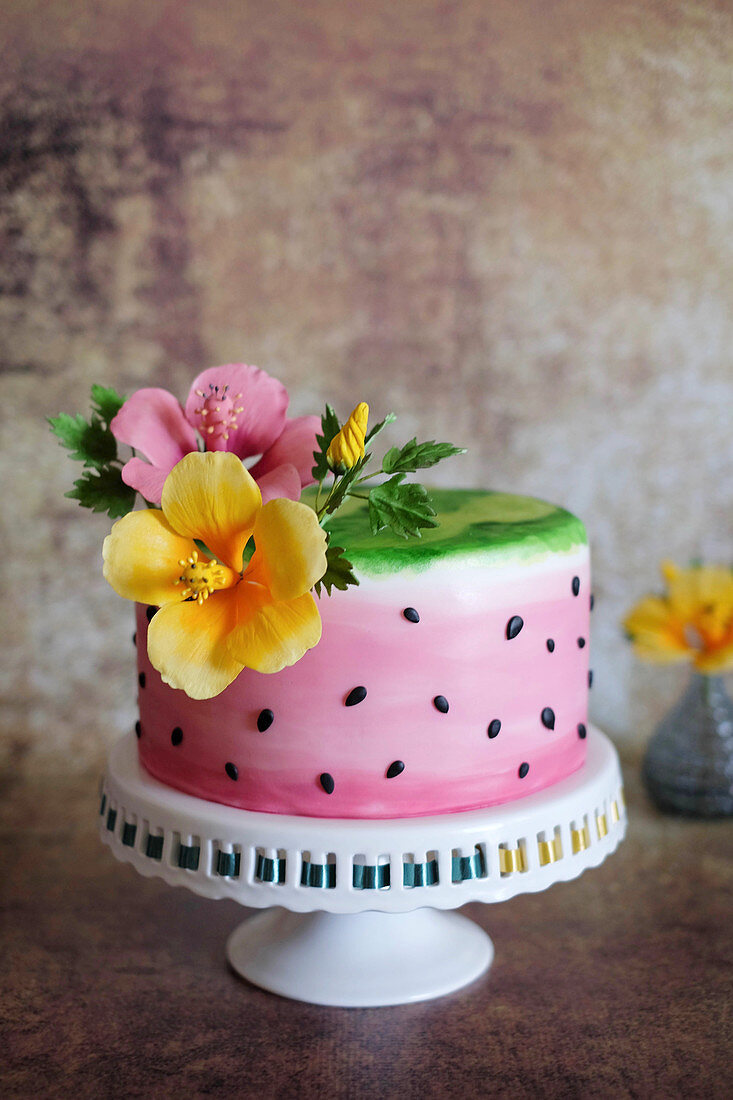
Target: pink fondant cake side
column 481, row 701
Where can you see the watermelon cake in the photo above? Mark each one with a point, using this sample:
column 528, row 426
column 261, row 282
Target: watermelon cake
column 317, row 634
column 455, row 676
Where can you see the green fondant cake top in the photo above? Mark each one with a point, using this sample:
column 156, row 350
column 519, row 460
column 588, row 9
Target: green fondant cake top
column 499, row 527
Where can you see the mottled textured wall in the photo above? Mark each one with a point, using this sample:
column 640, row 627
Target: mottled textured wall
column 510, row 221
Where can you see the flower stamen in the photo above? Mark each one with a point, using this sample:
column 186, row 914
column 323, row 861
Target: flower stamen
column 218, row 414
column 203, row 576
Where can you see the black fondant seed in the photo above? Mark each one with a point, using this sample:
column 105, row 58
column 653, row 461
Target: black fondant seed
column 550, row 645
column 395, row 768
column 548, row 718
column 356, row 695
column 232, row 770
column 141, row 679
column 494, row 727
column 150, row 611
column 138, row 730
column 576, row 585
column 582, row 731
column 265, row 719
column 581, row 643
column 176, row 736
column 326, row 781
column 513, row 627
column 441, row 703
column 523, row 769
column 590, row 677
column 592, row 601
column 134, row 638
column 411, row 615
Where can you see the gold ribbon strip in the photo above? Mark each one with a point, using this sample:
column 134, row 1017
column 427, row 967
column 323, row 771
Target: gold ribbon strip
column 511, row 859
column 580, row 839
column 550, row 851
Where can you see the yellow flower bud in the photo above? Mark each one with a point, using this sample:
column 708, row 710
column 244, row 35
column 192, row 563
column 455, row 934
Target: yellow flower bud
column 347, row 447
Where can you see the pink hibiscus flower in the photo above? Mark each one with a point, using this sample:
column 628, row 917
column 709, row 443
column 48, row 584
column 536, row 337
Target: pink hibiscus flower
column 234, row 408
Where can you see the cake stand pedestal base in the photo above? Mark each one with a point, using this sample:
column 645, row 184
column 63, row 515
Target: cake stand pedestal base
column 360, row 960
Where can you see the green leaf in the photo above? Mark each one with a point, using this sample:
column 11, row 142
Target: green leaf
column 106, row 402
column 103, row 491
column 339, row 571
column 389, row 419
column 89, row 442
column 404, row 508
column 343, row 484
column 330, row 427
column 418, row 456
column 69, row 429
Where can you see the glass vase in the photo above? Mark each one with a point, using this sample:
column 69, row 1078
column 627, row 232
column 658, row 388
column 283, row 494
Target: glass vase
column 688, row 765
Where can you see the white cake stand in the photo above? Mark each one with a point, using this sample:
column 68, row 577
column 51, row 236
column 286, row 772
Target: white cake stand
column 358, row 912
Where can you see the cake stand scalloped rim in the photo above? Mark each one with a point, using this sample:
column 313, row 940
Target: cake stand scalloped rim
column 576, row 822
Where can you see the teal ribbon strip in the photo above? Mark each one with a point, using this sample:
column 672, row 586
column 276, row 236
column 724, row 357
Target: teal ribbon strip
column 366, row 877
column 269, row 870
column 420, row 874
column 228, row 864
column 468, row 867
column 154, row 847
column 111, row 820
column 320, row 875
column 188, row 857
column 128, row 834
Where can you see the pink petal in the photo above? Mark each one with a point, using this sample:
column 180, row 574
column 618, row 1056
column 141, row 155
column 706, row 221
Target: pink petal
column 152, row 421
column 281, row 482
column 295, row 445
column 147, row 479
column 264, row 403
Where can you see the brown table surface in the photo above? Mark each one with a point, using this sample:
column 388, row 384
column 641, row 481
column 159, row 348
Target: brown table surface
column 618, row 984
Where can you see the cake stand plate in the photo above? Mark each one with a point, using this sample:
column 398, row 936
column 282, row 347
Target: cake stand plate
column 357, row 907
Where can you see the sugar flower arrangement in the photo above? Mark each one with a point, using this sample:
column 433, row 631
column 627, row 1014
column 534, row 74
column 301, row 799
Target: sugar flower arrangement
column 691, row 620
column 229, row 553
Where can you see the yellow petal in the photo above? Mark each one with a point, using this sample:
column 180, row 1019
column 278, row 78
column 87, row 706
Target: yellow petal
column 654, row 650
column 718, row 660
column 141, row 556
column 650, row 614
column 655, row 632
column 275, row 635
column 715, row 589
column 213, row 498
column 187, row 643
column 683, row 594
column 290, row 553
column 702, row 598
column 691, row 590
column 669, row 570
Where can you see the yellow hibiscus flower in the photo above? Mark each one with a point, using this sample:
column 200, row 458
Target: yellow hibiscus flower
column 692, row 620
column 218, row 616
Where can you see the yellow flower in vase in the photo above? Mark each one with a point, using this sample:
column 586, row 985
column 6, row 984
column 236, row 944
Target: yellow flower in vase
column 347, row 447
column 219, row 613
column 691, row 621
